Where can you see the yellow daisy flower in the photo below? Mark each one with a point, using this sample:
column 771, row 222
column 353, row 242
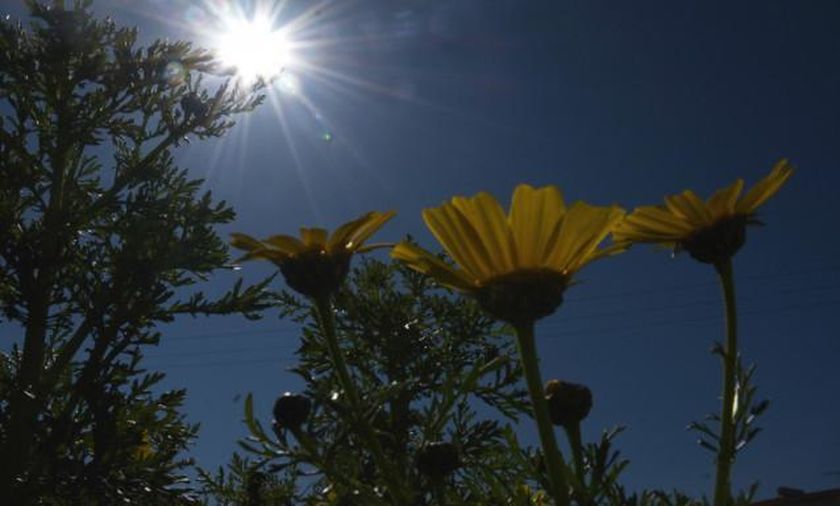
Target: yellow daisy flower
column 517, row 264
column 317, row 263
column 711, row 231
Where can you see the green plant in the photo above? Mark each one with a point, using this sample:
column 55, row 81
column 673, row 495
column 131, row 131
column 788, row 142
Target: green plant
column 101, row 238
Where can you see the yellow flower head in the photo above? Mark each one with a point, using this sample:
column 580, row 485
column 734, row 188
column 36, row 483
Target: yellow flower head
column 517, row 264
column 711, row 231
column 316, row 264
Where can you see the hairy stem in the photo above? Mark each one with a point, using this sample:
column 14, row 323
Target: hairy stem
column 551, row 453
column 726, row 449
column 576, row 444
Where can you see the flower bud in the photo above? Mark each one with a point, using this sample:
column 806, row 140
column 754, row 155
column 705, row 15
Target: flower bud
column 718, row 243
column 568, row 403
column 291, row 410
column 437, row 460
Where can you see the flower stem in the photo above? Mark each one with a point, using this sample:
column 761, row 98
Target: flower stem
column 726, row 447
column 551, row 453
column 329, row 471
column 576, row 444
column 327, row 322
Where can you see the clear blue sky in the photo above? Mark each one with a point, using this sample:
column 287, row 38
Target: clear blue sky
column 612, row 101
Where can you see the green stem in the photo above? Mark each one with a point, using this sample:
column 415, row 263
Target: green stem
column 726, row 450
column 551, row 453
column 439, row 492
column 325, row 318
column 311, row 449
column 576, row 444
column 327, row 321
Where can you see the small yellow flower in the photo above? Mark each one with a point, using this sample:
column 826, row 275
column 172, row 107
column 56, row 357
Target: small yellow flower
column 711, row 231
column 518, row 265
column 316, row 264
column 144, row 450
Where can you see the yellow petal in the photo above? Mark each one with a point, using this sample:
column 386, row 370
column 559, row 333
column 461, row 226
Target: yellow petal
column 612, row 249
column 583, row 229
column 285, row 243
column 371, row 247
column 244, row 242
column 534, row 216
column 650, row 224
column 604, row 221
column 490, row 223
column 689, row 206
column 765, row 188
column 275, row 256
column 459, row 239
column 339, row 239
column 313, row 237
column 722, row 203
column 421, row 260
column 370, row 226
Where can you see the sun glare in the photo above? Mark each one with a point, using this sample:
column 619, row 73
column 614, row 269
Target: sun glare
column 254, row 48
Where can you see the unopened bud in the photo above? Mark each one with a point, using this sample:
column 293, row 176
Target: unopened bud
column 568, row 403
column 438, row 460
column 291, row 410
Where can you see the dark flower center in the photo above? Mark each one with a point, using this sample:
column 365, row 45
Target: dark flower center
column 719, row 242
column 524, row 296
column 316, row 274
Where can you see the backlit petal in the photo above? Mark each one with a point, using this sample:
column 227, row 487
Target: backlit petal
column 765, row 188
column 341, row 237
column 534, row 216
column 650, row 223
column 490, row 223
column 286, row 243
column 371, row 225
column 583, row 229
column 278, row 257
column 422, row 261
column 689, row 206
column 458, row 238
column 313, row 237
column 722, row 203
column 244, row 242
column 612, row 249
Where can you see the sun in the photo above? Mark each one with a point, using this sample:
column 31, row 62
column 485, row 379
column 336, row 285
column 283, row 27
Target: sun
column 254, row 48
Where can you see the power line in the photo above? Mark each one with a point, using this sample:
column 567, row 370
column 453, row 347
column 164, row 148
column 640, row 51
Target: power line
column 225, row 351
column 227, row 334
column 227, row 363
column 684, row 286
column 571, row 332
column 288, row 345
column 713, row 319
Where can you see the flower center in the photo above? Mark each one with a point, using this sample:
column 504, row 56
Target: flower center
column 719, row 242
column 316, row 273
column 523, row 296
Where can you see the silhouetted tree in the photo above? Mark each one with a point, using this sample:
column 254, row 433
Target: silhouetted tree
column 100, row 237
